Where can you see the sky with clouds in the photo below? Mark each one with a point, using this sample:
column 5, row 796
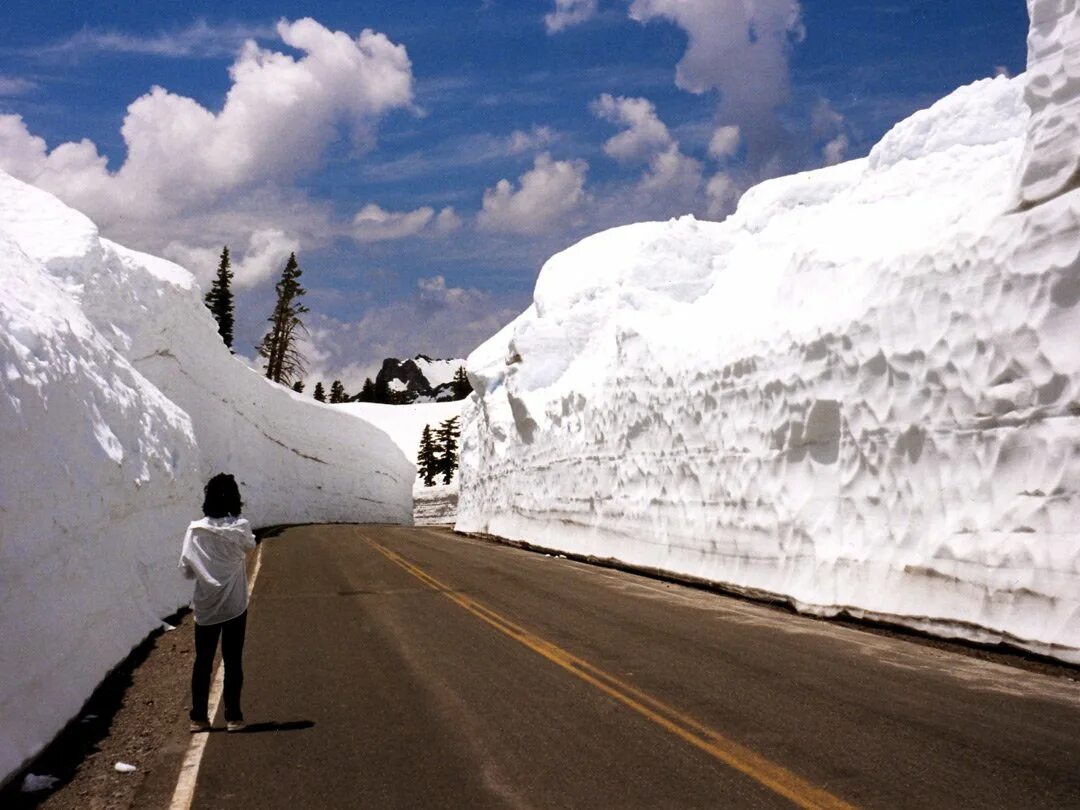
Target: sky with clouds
column 423, row 159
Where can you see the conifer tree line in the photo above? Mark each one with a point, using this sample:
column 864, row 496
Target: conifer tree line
column 438, row 453
column 279, row 347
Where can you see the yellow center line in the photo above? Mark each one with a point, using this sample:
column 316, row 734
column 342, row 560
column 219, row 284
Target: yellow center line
column 773, row 776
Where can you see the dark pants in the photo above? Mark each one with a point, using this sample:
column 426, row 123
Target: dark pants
column 232, row 650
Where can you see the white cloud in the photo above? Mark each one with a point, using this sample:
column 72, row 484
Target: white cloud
column 537, row 138
column 826, row 124
column 724, row 142
column 187, row 164
column 723, row 194
column 373, row 224
column 447, row 221
column 568, row 13
column 15, row 86
column 437, row 319
column 736, row 47
column 835, row 151
column 645, row 133
column 547, row 193
column 674, row 175
column 200, row 39
column 265, row 256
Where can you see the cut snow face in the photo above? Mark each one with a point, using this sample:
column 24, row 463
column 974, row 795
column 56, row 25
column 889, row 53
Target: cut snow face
column 861, row 391
column 118, row 401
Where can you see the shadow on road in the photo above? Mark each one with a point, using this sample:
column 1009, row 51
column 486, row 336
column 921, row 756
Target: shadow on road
column 272, row 725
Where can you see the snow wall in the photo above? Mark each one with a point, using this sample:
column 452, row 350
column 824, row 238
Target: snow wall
column 861, row 392
column 117, row 401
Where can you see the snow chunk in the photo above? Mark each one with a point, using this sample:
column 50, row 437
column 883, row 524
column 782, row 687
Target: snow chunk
column 34, row 783
column 1051, row 163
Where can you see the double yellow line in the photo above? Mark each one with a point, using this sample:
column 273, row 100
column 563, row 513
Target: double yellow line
column 773, row 776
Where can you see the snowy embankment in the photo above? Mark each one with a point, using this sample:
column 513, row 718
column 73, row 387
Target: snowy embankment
column 117, row 402
column 861, row 392
column 405, row 425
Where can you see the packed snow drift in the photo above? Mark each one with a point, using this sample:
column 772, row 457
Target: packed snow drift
column 118, row 400
column 405, row 425
column 860, row 392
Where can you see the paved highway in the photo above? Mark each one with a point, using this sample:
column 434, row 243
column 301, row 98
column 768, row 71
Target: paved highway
column 409, row 667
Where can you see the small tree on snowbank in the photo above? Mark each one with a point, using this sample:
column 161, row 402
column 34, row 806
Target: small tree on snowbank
column 337, row 392
column 219, row 300
column 320, row 392
column 447, row 436
column 284, row 363
column 427, row 460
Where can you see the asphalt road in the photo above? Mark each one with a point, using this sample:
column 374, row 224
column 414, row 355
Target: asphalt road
column 409, row 667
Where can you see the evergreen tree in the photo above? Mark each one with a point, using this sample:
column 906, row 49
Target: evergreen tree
column 298, row 386
column 320, row 392
column 447, row 436
column 219, row 300
column 382, row 391
column 460, row 384
column 284, row 363
column 427, row 460
column 337, row 391
column 367, row 393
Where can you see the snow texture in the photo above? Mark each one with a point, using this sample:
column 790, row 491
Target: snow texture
column 117, row 402
column 860, row 392
column 1051, row 163
column 405, row 425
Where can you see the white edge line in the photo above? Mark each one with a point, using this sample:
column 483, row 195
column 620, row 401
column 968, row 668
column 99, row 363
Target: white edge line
column 189, row 770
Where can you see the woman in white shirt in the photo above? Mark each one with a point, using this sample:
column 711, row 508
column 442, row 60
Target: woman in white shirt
column 214, row 554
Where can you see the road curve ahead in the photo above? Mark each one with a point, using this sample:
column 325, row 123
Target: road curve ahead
column 410, row 667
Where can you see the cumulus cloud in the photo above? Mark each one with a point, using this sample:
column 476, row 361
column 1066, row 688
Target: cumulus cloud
column 373, row 224
column 645, row 133
column 546, row 195
column 265, row 256
column 735, row 47
column 568, row 13
column 279, row 116
column 447, row 221
column 828, row 126
column 722, row 193
column 724, row 142
column 537, row 138
column 672, row 174
column 439, row 319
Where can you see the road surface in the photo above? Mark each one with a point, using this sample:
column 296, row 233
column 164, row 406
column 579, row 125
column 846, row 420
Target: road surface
column 407, row 667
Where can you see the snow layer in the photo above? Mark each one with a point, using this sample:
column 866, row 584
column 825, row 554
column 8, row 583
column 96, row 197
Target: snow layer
column 437, row 372
column 860, row 392
column 1051, row 163
column 405, row 425
column 117, row 401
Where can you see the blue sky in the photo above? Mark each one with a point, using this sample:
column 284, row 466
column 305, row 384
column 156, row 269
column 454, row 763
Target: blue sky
column 425, row 170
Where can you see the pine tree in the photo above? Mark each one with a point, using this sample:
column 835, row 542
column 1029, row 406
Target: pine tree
column 382, row 391
column 367, row 393
column 427, row 461
column 298, row 386
column 460, row 384
column 219, row 300
column 447, row 436
column 337, row 392
column 284, row 363
column 320, row 392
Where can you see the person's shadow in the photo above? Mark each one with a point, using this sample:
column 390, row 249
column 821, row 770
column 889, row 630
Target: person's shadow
column 273, row 725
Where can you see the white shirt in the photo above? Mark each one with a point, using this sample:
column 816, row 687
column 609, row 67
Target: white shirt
column 213, row 553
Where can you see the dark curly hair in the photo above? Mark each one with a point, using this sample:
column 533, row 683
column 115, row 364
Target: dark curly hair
column 222, row 497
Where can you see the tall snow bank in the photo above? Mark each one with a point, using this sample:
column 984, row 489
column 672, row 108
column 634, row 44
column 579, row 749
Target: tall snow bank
column 860, row 392
column 117, row 401
column 1051, row 163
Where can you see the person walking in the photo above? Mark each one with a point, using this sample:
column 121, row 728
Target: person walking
column 214, row 553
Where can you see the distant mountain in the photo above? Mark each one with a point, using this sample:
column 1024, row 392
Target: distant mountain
column 419, row 379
